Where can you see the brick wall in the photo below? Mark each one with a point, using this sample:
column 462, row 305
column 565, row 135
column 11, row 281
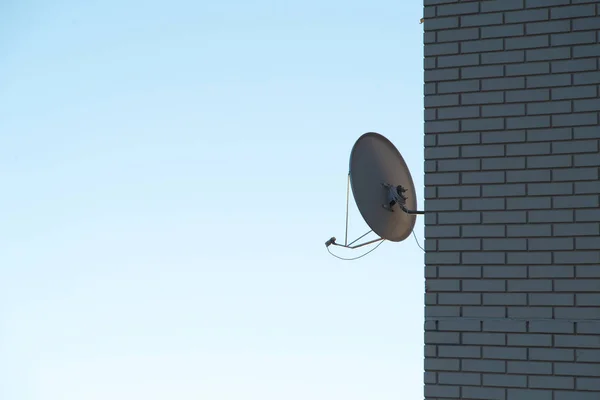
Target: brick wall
column 512, row 199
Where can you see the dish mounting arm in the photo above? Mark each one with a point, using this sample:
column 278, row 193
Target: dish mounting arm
column 396, row 196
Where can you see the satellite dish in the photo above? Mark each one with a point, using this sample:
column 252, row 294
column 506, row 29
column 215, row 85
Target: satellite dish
column 383, row 190
column 377, row 169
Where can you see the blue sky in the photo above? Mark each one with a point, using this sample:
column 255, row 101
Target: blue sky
column 170, row 172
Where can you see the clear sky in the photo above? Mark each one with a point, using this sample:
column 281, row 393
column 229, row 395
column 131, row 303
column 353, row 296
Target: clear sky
column 170, row 171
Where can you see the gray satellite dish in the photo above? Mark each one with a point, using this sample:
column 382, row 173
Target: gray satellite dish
column 383, row 190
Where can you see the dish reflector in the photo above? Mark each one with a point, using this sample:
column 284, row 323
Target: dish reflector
column 375, row 162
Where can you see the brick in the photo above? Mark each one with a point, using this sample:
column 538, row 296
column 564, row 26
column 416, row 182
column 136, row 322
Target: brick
column 543, row 54
column 585, row 355
column 433, row 24
column 528, row 230
column 540, row 121
column 557, row 161
column 575, row 174
column 505, row 299
column 551, row 354
column 547, row 189
column 569, row 285
column 504, row 244
column 527, row 95
column 551, row 299
column 526, row 16
column 441, row 49
column 504, row 5
column 528, row 394
column 503, row 57
column 460, row 218
column 442, row 311
column 441, row 364
column 429, row 88
column 496, row 366
column 577, row 312
column 483, row 285
column 552, row 271
column 584, row 24
column 487, row 71
column 481, row 20
column 483, row 204
column 504, row 326
column 483, row 45
column 587, row 243
column 551, row 382
column 483, row 124
column 588, row 328
column 429, row 377
column 553, row 107
column 551, row 326
column 550, row 244
column 459, row 244
column 436, row 75
column 441, row 126
column 528, row 258
column 457, row 35
column 483, row 258
column 528, row 176
column 460, row 272
column 503, row 110
column 529, row 367
column 573, row 369
column 536, row 216
column 587, row 187
column 441, row 231
column 586, row 105
column 436, row 2
column 505, row 190
column 505, row 353
column 529, row 285
column 587, row 215
column 481, row 231
column 538, row 28
column 577, row 257
column 451, row 139
column 504, row 217
column 588, row 384
column 576, row 201
column 429, row 37
column 526, row 42
column 578, row 229
column 482, row 98
column 483, row 312
column 457, row 9
column 459, row 191
column 576, row 146
column 552, row 80
column 569, row 39
column 494, row 150
column 441, row 100
column 587, row 299
column 458, row 112
column 460, row 378
column 435, row 153
column 483, row 393
column 576, row 65
column 439, row 391
column 503, row 163
column 589, row 50
column 573, row 92
column 504, row 271
column 534, row 68
column 461, row 86
column 502, row 31
column 545, row 3
column 586, row 78
column 549, row 134
column 440, row 258
column 442, row 338
column 530, row 340
column 505, row 380
column 482, row 177
column 459, row 351
column 575, row 119
column 459, row 325
column 460, row 60
column 572, row 11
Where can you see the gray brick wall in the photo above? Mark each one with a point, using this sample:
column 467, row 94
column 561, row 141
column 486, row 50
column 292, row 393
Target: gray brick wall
column 512, row 303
